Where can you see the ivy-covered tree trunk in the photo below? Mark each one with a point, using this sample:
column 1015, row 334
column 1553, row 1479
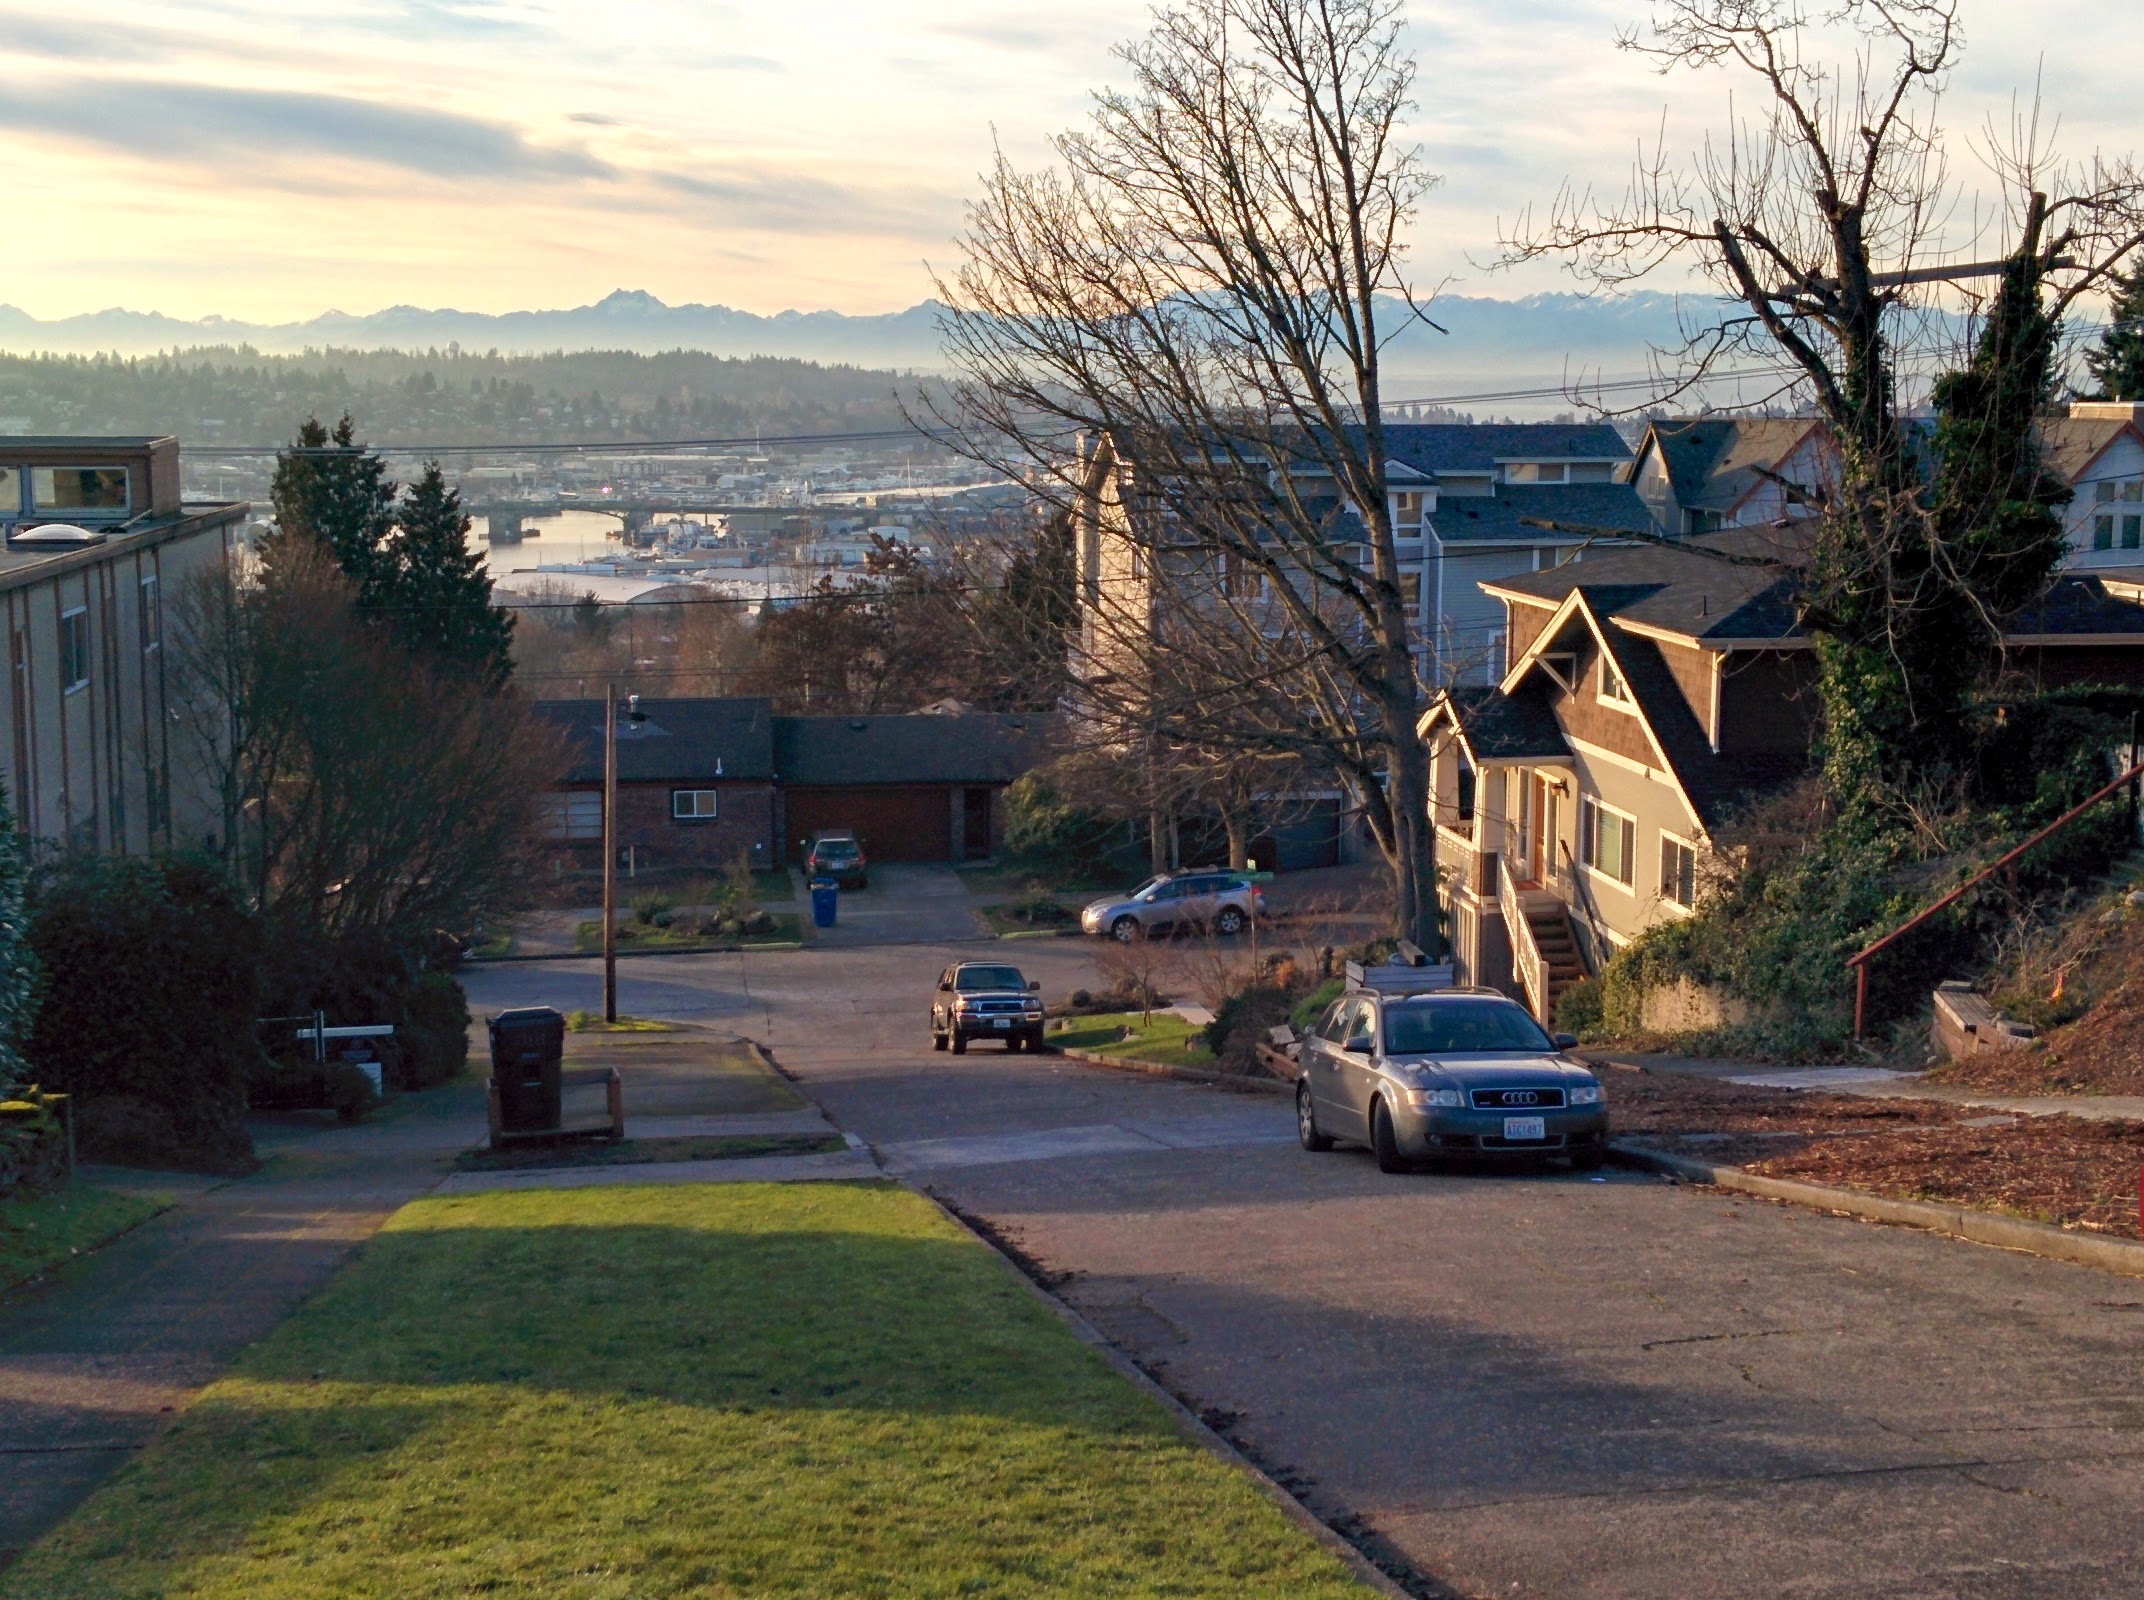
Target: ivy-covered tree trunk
column 20, row 975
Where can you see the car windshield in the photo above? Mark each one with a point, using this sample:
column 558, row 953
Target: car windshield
column 1449, row 1027
column 1146, row 888
column 969, row 979
column 837, row 847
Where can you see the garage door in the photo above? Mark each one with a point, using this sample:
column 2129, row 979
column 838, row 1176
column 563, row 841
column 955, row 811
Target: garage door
column 895, row 824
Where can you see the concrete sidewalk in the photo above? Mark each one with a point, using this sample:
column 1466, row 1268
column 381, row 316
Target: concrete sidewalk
column 1882, row 1083
column 97, row 1357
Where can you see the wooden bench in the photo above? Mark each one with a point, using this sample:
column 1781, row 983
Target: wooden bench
column 611, row 1125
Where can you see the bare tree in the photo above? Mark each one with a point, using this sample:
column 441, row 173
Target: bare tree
column 1826, row 223
column 1201, row 289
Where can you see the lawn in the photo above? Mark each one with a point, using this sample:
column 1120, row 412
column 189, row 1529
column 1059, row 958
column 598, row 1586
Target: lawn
column 706, row 1390
column 1168, row 1039
column 683, row 935
column 1008, row 920
column 40, row 1233
column 1076, row 887
column 680, row 886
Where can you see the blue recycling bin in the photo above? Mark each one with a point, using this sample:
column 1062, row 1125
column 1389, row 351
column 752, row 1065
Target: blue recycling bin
column 825, row 896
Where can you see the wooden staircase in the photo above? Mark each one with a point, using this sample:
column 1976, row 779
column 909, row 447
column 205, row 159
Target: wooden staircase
column 1560, row 963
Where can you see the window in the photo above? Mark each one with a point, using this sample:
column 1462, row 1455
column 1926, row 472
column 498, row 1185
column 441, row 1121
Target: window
column 1678, row 872
column 2132, row 528
column 2103, row 530
column 74, row 649
column 1449, row 1027
column 2133, row 490
column 2105, row 490
column 577, row 814
column 1614, row 691
column 78, row 488
column 152, row 614
column 10, row 491
column 692, row 805
column 1607, row 840
column 1407, row 509
column 1534, row 472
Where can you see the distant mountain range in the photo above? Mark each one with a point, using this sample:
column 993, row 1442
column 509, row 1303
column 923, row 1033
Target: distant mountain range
column 1538, row 339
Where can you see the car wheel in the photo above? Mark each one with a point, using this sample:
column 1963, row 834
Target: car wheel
column 1306, row 1121
column 1124, row 930
column 1588, row 1160
column 1383, row 1141
column 960, row 1045
column 1229, row 922
column 937, row 1040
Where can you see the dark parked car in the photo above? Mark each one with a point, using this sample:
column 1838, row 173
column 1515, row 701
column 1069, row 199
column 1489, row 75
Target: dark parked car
column 1452, row 1074
column 837, row 855
column 985, row 1000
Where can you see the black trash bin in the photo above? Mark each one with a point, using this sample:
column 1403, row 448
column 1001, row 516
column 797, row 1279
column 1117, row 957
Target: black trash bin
column 527, row 1047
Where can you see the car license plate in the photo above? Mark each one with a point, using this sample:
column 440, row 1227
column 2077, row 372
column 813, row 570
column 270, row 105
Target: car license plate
column 1006, row 1022
column 1525, row 1128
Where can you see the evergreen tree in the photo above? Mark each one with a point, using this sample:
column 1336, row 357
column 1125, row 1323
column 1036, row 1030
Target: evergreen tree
column 441, row 594
column 2118, row 363
column 329, row 487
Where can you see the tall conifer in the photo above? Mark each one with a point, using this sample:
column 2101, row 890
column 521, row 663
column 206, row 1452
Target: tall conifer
column 442, row 594
column 2118, row 363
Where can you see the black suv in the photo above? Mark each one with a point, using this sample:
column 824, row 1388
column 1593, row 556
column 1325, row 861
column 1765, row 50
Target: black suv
column 985, row 1000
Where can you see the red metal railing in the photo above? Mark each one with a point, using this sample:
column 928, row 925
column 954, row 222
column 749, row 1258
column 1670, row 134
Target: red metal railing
column 1858, row 964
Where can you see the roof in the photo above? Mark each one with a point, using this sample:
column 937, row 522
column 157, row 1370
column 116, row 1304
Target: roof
column 1478, row 446
column 1716, row 785
column 1495, row 726
column 681, row 740
column 29, row 563
column 2069, row 445
column 2082, row 605
column 977, row 748
column 1462, row 518
column 1684, row 589
column 1711, row 462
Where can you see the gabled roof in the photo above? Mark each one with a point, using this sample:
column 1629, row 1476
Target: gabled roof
column 681, row 740
column 1680, row 590
column 975, row 748
column 1494, row 726
column 1474, row 447
column 2069, row 445
column 1711, row 462
column 1461, row 518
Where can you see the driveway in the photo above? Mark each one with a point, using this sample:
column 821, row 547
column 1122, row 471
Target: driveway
column 1527, row 1385
column 906, row 904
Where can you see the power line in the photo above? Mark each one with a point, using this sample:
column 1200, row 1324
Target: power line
column 580, row 447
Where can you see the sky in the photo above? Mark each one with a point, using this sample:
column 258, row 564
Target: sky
column 270, row 162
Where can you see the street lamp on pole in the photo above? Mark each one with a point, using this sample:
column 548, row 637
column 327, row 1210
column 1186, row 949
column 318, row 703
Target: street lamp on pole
column 610, row 840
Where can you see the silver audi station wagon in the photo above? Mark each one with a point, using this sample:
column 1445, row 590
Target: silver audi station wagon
column 1453, row 1074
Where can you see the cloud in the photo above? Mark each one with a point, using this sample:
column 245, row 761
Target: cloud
column 594, row 119
column 218, row 126
column 794, row 203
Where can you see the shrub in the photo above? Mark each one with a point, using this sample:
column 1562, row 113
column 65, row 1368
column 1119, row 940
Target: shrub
column 151, row 1003
column 33, row 1143
column 1045, row 829
column 1240, row 1022
column 1578, row 1009
column 1312, row 1006
column 653, row 911
column 433, row 1032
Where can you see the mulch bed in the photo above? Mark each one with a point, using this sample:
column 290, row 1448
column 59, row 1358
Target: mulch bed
column 2063, row 1170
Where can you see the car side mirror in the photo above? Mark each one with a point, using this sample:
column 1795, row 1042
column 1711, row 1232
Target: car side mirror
column 1358, row 1045
column 1034, row 986
column 1565, row 1041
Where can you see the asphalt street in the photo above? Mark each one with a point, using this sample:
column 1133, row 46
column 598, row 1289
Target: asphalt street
column 1519, row 1385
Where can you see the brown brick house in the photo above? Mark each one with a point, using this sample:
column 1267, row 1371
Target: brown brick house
column 703, row 781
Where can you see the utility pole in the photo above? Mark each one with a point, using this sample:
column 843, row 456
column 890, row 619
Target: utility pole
column 610, row 852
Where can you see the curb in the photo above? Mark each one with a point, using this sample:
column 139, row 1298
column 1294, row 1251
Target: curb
column 624, row 955
column 1038, row 933
column 1156, row 1069
column 1329, row 1538
column 2124, row 1256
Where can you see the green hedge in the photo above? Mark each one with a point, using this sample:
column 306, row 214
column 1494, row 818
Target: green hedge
column 152, row 991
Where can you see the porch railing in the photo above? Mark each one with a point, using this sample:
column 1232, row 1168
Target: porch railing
column 1526, row 962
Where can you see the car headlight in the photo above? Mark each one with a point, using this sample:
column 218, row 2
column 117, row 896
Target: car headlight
column 1588, row 1094
column 1427, row 1099
column 1033, row 1008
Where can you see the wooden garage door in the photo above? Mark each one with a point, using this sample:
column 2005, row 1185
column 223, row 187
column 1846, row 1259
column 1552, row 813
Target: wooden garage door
column 894, row 824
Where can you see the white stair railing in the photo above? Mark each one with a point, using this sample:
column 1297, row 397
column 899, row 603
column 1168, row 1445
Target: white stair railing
column 1526, row 959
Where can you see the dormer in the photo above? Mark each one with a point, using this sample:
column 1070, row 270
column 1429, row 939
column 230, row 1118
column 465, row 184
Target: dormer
column 1560, row 470
column 94, row 484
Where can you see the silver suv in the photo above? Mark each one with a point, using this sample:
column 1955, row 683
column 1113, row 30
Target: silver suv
column 1453, row 1074
column 1223, row 901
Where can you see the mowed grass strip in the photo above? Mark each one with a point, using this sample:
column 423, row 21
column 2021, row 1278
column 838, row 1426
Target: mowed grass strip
column 718, row 1390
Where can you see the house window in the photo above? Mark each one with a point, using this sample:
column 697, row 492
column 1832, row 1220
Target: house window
column 1534, row 472
column 1678, row 872
column 2103, row 530
column 2132, row 528
column 1608, row 841
column 63, row 489
column 577, row 814
column 692, row 805
column 74, row 649
column 151, row 605
column 1614, row 691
